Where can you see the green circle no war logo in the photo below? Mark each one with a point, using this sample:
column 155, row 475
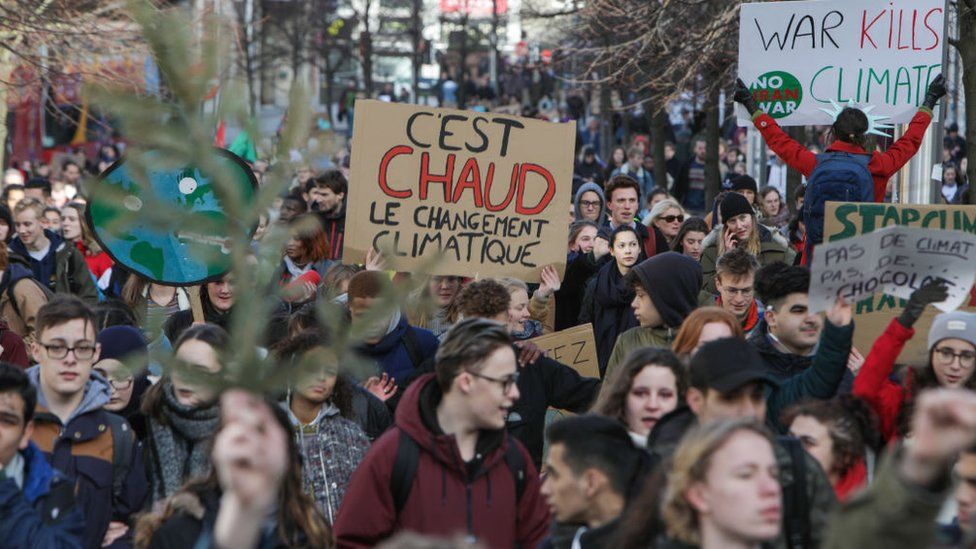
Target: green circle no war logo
column 778, row 93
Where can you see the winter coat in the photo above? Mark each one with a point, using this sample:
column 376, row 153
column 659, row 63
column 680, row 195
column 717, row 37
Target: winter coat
column 892, row 513
column 371, row 414
column 569, row 297
column 606, row 304
column 873, row 383
column 820, row 380
column 14, row 349
column 773, row 247
column 332, row 447
column 882, row 165
column 448, row 496
column 636, row 338
column 391, row 354
column 43, row 513
column 546, row 384
column 63, row 269
column 191, row 522
column 21, row 296
column 334, row 226
column 82, row 449
column 587, row 538
column 670, row 429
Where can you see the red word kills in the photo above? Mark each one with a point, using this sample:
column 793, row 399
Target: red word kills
column 905, row 29
column 470, row 178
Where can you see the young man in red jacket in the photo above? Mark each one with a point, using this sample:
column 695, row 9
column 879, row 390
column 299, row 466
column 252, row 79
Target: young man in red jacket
column 448, row 467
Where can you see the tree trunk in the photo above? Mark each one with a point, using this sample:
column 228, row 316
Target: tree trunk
column 966, row 44
column 794, row 179
column 658, row 122
column 6, row 67
column 462, row 67
column 606, row 123
column 713, row 176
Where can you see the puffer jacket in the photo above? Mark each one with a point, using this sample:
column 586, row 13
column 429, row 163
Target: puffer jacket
column 332, row 447
column 448, row 496
column 43, row 513
column 773, row 247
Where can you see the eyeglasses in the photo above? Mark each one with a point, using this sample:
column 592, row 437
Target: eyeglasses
column 590, row 203
column 506, row 382
column 947, row 355
column 672, row 218
column 60, row 350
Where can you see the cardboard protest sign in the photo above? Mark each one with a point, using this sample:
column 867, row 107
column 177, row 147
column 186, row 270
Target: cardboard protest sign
column 485, row 190
column 183, row 246
column 847, row 219
column 797, row 57
column 574, row 347
column 894, row 260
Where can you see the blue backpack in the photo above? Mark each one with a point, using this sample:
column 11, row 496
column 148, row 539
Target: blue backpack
column 838, row 177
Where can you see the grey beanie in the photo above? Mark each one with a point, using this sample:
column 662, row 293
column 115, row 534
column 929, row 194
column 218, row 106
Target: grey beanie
column 957, row 324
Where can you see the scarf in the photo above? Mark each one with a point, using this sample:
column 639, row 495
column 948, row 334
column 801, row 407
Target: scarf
column 182, row 445
column 294, row 270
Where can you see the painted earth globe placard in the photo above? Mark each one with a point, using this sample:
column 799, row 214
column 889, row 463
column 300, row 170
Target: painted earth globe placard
column 189, row 245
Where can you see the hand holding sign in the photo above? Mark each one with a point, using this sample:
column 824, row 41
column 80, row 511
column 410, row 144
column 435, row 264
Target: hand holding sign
column 897, row 261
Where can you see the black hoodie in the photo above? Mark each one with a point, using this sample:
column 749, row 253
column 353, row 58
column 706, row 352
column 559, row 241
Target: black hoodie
column 673, row 281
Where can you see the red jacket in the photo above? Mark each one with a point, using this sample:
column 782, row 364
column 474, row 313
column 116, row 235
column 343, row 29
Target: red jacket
column 443, row 500
column 873, row 384
column 97, row 263
column 882, row 165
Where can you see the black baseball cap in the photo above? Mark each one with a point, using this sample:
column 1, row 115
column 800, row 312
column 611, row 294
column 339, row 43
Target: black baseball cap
column 727, row 364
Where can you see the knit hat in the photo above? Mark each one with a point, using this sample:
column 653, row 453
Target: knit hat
column 734, row 204
column 673, row 282
column 121, row 343
column 727, row 364
column 957, row 324
column 744, row 183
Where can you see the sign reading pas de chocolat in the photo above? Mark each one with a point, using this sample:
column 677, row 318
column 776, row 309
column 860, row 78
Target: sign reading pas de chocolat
column 488, row 192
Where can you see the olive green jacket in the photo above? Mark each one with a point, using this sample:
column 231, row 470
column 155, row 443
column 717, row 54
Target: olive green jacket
column 637, row 338
column 773, row 247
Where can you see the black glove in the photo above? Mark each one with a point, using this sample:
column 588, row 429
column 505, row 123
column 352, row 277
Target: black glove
column 936, row 91
column 933, row 292
column 744, row 96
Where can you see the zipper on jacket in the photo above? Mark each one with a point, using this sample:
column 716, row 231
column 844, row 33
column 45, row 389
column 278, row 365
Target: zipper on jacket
column 470, row 537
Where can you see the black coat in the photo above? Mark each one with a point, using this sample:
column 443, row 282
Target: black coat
column 607, row 305
column 569, row 297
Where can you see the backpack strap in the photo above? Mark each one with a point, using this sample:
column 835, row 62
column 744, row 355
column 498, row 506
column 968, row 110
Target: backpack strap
column 412, row 346
column 797, row 519
column 123, row 443
column 516, row 464
column 404, row 470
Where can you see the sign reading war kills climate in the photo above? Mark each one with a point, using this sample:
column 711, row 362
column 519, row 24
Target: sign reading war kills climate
column 797, row 57
column 486, row 191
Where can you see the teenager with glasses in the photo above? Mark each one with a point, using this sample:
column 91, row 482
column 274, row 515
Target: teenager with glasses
column 71, row 421
column 735, row 274
column 952, row 360
column 124, row 361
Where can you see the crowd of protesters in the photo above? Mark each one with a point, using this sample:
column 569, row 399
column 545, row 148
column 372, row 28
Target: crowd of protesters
column 724, row 413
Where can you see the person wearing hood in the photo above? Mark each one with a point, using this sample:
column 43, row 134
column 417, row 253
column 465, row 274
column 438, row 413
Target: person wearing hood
column 181, row 415
column 53, row 262
column 589, row 204
column 741, row 229
column 392, row 343
column 217, row 298
column 323, row 418
column 327, row 198
column 448, row 466
column 37, row 503
column 665, row 292
column 96, row 449
column 21, row 296
column 124, row 362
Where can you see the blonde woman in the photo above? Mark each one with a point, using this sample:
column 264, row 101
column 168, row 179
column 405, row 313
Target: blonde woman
column 723, row 488
column 667, row 215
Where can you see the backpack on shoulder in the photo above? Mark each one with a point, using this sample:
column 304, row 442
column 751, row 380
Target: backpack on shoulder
column 796, row 504
column 838, row 177
column 123, row 444
column 408, row 457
